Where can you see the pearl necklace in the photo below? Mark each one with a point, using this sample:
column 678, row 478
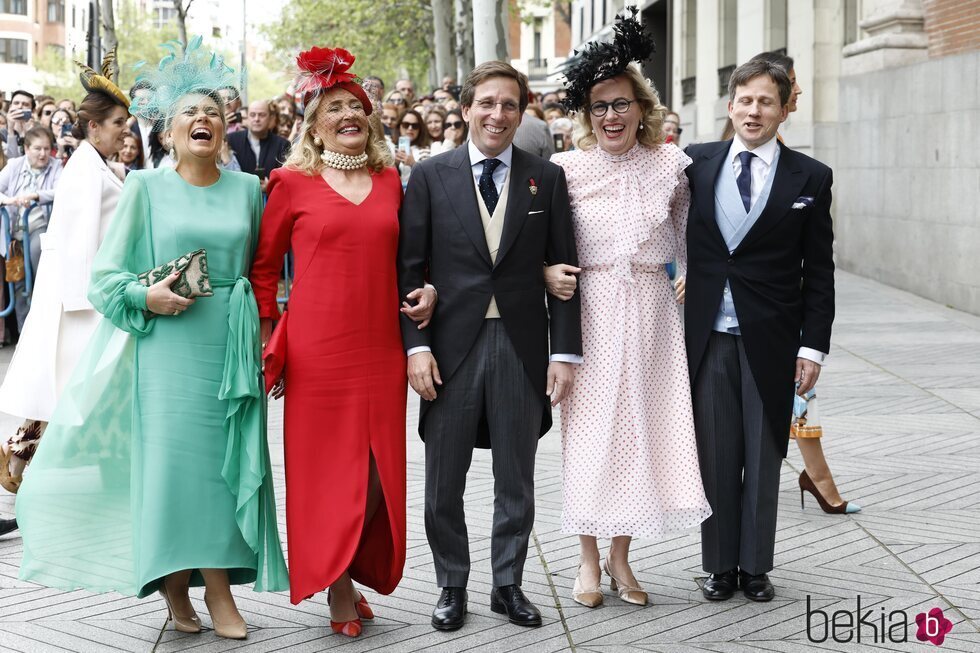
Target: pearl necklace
column 343, row 161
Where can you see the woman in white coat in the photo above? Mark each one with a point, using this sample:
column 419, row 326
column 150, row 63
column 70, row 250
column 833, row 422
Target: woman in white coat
column 61, row 320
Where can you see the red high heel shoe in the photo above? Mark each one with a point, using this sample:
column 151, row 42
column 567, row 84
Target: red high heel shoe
column 364, row 610
column 354, row 627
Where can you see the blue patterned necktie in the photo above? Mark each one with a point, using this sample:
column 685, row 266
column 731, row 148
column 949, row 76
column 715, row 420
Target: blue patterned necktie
column 488, row 189
column 744, row 180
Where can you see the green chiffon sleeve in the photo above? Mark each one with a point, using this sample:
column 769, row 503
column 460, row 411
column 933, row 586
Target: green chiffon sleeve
column 125, row 252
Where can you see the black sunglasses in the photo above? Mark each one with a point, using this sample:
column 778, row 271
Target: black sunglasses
column 456, row 124
column 410, row 125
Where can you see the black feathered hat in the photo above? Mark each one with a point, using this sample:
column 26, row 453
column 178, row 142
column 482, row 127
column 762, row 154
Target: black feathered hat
column 599, row 61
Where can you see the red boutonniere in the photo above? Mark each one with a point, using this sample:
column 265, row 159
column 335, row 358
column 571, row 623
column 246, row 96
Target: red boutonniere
column 533, row 187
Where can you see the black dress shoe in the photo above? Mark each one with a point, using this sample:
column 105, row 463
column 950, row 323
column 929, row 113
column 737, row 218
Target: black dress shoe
column 756, row 588
column 510, row 600
column 7, row 526
column 719, row 587
column 450, row 612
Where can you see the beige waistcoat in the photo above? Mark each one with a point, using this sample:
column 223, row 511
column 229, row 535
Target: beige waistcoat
column 493, row 227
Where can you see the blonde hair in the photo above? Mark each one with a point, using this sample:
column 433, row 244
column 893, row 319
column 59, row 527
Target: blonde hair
column 651, row 132
column 304, row 156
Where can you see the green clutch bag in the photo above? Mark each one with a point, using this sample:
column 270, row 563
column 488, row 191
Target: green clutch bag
column 193, row 280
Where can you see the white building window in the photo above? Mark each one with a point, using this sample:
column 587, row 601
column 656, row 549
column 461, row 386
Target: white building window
column 776, row 25
column 852, row 13
column 13, row 7
column 13, row 51
column 689, row 36
column 727, row 43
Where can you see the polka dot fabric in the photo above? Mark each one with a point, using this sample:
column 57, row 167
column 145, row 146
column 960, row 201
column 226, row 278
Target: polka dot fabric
column 630, row 462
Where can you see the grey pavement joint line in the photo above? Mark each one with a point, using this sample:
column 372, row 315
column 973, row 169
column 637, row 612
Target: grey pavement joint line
column 905, row 380
column 554, row 590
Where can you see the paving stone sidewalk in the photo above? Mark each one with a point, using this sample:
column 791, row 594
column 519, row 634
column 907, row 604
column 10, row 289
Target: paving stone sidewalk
column 900, row 405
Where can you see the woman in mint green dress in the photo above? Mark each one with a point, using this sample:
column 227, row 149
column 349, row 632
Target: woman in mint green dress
column 154, row 473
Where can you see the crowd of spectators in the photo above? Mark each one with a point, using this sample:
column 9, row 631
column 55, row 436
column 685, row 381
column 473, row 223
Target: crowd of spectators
column 40, row 133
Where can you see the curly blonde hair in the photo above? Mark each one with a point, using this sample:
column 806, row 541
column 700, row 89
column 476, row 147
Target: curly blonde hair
column 305, row 154
column 651, row 119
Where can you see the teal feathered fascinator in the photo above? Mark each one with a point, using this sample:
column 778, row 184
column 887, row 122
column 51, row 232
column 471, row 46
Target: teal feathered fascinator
column 186, row 69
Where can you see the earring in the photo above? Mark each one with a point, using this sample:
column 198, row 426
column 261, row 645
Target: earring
column 173, row 153
column 97, row 140
column 317, row 141
column 641, row 126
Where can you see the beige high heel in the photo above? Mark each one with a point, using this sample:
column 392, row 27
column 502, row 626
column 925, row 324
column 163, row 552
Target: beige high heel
column 628, row 593
column 591, row 597
column 235, row 629
column 185, row 624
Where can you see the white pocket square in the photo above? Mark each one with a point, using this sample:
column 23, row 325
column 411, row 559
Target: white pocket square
column 533, row 212
column 802, row 202
column 799, row 205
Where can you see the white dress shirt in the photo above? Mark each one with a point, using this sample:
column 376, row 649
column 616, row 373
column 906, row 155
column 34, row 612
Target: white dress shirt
column 761, row 165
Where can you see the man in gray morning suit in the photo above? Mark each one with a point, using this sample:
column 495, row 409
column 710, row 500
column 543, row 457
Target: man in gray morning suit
column 759, row 310
column 478, row 223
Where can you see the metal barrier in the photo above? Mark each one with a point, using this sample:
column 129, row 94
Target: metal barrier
column 7, row 230
column 287, row 279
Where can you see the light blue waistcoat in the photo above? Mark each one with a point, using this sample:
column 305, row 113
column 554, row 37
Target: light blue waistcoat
column 734, row 223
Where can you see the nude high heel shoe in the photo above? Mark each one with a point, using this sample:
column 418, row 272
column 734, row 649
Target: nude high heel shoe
column 589, row 597
column 184, row 623
column 231, row 629
column 628, row 593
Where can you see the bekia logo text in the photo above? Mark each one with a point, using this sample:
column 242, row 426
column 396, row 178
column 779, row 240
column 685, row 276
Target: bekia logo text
column 872, row 626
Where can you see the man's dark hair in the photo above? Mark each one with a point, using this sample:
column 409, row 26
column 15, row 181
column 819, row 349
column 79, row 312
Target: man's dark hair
column 376, row 79
column 139, row 86
column 756, row 68
column 30, row 96
column 489, row 69
column 784, row 61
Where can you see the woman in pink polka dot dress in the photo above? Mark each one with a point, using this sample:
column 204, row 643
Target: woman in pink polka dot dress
column 630, row 463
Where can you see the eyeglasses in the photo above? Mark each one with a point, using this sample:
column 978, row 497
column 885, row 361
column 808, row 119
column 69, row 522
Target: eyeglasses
column 619, row 105
column 410, row 125
column 506, row 107
column 397, row 101
column 455, row 124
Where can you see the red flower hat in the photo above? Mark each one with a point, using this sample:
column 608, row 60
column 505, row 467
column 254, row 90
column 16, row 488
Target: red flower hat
column 321, row 69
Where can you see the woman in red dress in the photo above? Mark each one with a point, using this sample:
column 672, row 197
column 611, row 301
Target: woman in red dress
column 335, row 204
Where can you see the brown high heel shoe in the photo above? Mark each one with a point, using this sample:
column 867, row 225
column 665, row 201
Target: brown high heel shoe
column 9, row 482
column 233, row 629
column 807, row 484
column 186, row 624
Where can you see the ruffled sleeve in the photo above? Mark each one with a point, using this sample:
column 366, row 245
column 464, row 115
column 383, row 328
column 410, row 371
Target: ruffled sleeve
column 125, row 252
column 680, row 204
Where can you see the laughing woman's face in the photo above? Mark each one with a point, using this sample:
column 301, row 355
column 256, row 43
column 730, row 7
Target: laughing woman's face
column 198, row 128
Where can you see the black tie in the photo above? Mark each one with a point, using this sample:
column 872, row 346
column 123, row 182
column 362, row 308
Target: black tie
column 744, row 180
column 488, row 189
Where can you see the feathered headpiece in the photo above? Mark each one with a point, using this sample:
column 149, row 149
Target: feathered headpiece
column 186, row 69
column 604, row 60
column 104, row 82
column 321, row 69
